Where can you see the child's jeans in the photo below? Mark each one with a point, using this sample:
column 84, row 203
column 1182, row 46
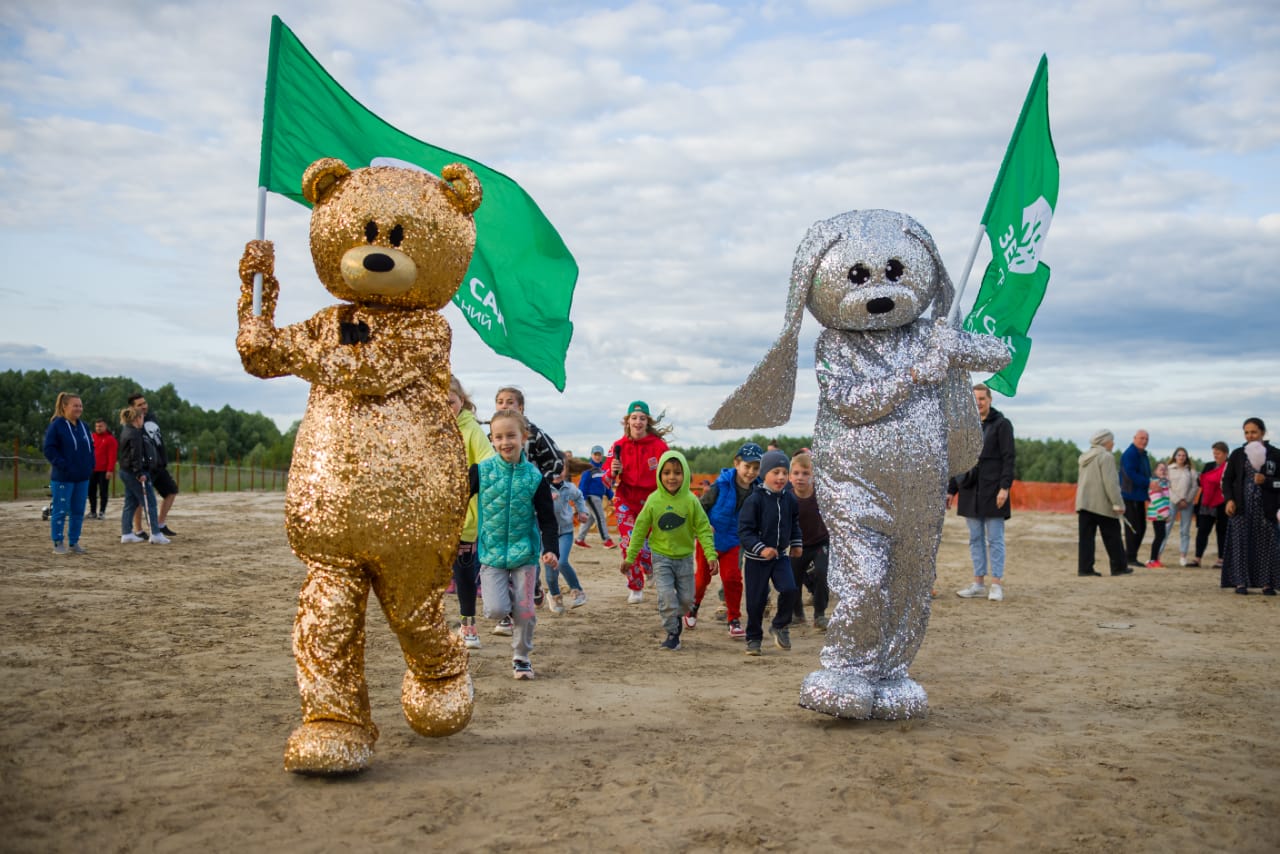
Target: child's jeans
column 673, row 576
column 570, row 577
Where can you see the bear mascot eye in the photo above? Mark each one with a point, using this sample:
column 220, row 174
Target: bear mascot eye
column 371, row 231
column 893, row 270
column 397, row 235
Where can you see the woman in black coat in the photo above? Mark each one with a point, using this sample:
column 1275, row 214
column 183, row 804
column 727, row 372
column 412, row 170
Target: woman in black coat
column 1253, row 534
column 983, row 498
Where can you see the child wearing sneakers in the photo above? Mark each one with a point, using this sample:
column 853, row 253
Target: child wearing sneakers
column 811, row 567
column 769, row 528
column 515, row 520
column 1159, row 510
column 570, row 506
column 723, row 502
column 675, row 525
column 595, row 491
column 466, row 576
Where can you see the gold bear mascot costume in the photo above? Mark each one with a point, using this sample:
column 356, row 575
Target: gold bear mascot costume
column 378, row 485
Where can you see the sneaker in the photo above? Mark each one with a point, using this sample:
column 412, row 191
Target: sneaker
column 504, row 627
column 820, row 622
column 736, row 631
column 1182, row 561
column 164, row 529
column 142, row 535
column 582, row 544
column 159, row 539
column 672, row 642
column 691, row 618
column 1154, row 564
column 78, row 549
column 557, row 604
column 973, row 591
column 521, row 669
column 132, row 538
column 579, row 599
column 781, row 637
column 470, row 636
column 61, row 549
column 635, row 597
column 753, row 647
column 610, row 544
column 538, row 597
column 997, row 593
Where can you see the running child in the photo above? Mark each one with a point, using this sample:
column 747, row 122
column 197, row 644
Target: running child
column 769, row 528
column 466, row 575
column 632, row 464
column 515, row 522
column 811, row 567
column 539, row 449
column 595, row 490
column 723, row 502
column 675, row 524
column 570, row 506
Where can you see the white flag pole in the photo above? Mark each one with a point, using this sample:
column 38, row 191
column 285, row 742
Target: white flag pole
column 964, row 278
column 260, row 234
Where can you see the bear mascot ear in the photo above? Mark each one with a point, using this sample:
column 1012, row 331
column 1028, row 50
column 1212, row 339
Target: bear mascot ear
column 464, row 187
column 321, row 177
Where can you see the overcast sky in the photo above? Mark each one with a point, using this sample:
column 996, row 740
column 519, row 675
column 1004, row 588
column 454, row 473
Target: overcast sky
column 682, row 150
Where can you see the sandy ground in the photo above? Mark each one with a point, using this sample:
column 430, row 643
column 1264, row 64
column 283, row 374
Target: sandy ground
column 146, row 693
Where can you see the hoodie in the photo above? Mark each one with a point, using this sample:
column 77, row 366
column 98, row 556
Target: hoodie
column 674, row 522
column 69, row 451
column 1098, row 484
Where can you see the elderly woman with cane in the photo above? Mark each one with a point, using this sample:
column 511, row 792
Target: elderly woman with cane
column 137, row 460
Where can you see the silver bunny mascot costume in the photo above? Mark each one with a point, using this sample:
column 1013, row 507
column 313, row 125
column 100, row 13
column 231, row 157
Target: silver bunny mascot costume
column 896, row 418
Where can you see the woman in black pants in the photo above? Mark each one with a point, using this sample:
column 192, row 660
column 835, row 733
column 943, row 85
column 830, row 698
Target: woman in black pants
column 1211, row 506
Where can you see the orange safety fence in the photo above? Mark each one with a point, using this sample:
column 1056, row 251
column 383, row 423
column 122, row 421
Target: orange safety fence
column 1025, row 495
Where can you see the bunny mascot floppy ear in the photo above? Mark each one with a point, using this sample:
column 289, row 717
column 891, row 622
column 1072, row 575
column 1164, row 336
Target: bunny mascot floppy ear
column 896, row 418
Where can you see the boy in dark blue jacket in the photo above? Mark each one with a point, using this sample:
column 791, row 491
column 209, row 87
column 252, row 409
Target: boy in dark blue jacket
column 769, row 530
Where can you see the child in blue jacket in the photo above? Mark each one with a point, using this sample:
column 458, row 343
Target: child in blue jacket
column 769, row 530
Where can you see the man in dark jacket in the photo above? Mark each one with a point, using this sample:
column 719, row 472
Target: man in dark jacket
column 984, row 499
column 1135, row 481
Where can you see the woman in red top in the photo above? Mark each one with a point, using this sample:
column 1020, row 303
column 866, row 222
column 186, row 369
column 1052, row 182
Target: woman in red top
column 1211, row 506
column 632, row 464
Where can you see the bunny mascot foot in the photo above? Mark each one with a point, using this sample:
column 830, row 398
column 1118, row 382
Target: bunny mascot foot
column 896, row 418
column 843, row 695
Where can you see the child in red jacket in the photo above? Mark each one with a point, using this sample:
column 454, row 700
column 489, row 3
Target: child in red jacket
column 632, row 466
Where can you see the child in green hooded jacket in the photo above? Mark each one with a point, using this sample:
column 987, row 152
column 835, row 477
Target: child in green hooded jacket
column 674, row 522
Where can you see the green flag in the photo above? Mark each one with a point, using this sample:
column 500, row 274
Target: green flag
column 519, row 288
column 1017, row 221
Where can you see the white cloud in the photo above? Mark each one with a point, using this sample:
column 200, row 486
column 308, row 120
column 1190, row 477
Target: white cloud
column 682, row 150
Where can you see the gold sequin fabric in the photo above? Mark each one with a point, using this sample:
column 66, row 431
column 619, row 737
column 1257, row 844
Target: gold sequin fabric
column 377, row 488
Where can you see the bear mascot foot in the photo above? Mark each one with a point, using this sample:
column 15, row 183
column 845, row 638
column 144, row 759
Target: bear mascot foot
column 831, row 692
column 437, row 707
column 899, row 699
column 329, row 748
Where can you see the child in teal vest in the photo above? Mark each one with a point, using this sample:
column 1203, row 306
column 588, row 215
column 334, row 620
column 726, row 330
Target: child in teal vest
column 516, row 523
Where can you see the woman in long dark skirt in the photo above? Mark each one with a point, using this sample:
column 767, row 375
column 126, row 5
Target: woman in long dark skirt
column 1252, row 492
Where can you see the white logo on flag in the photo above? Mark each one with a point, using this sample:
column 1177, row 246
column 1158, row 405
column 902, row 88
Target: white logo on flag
column 1022, row 252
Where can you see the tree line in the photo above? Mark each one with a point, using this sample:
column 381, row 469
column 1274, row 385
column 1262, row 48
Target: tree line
column 1040, row 460
column 27, row 398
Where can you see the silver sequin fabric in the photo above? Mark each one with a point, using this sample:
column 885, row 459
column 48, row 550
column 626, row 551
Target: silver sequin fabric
column 880, row 443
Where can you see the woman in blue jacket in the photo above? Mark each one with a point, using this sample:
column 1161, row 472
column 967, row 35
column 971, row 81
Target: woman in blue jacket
column 68, row 446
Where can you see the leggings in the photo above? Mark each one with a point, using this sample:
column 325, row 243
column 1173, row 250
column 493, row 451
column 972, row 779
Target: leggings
column 466, row 577
column 1159, row 526
column 595, row 507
